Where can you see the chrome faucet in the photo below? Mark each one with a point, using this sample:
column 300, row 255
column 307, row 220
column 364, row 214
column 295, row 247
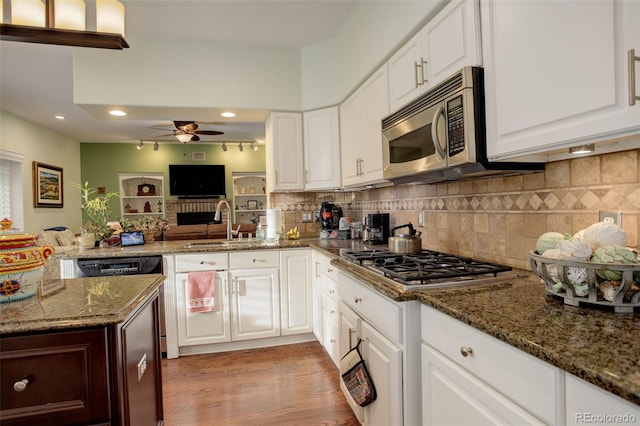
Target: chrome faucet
column 217, row 216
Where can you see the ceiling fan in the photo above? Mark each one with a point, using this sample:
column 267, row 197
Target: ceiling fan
column 187, row 131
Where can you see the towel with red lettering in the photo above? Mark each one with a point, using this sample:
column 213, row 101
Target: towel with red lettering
column 200, row 287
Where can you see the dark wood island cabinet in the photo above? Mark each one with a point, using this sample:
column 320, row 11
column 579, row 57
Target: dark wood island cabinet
column 84, row 351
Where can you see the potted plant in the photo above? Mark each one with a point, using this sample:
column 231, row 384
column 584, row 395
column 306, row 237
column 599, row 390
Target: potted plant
column 151, row 226
column 97, row 211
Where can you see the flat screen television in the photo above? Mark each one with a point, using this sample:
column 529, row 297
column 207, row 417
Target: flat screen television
column 197, row 181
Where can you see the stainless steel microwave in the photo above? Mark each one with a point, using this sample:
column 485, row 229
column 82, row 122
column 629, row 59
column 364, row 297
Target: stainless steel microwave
column 440, row 135
column 436, row 130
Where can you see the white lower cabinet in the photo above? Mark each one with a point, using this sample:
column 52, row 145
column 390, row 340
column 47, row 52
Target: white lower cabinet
column 472, row 378
column 586, row 403
column 255, row 295
column 295, row 292
column 198, row 328
column 390, row 347
column 326, row 305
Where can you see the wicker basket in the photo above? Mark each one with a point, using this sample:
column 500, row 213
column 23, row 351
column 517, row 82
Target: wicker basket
column 578, row 283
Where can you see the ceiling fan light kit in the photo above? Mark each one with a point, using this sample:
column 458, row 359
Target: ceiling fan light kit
column 64, row 23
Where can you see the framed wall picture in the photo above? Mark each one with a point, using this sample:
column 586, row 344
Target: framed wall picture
column 47, row 185
column 252, row 205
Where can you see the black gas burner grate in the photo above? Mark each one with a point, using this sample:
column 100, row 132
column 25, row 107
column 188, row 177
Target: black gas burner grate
column 424, row 267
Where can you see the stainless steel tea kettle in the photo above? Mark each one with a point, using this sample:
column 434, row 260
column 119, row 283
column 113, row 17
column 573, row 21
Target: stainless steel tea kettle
column 405, row 243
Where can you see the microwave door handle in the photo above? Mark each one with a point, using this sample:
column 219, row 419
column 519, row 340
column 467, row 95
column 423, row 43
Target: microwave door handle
column 434, row 132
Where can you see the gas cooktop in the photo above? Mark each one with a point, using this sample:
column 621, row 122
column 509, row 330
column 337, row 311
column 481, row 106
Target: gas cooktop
column 427, row 268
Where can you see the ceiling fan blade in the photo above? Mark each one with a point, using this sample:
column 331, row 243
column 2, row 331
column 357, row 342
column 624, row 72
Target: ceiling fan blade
column 208, row 132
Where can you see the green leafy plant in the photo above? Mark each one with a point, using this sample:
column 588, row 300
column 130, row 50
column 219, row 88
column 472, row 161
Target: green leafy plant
column 96, row 208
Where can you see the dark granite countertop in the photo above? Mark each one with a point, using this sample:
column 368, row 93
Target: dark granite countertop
column 597, row 345
column 78, row 303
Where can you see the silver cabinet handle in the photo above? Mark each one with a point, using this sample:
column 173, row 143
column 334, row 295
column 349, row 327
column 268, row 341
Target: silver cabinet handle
column 420, row 66
column 20, row 385
column 466, row 351
column 202, row 262
column 632, row 77
column 357, row 299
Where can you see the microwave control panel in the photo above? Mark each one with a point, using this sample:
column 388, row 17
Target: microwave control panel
column 455, row 126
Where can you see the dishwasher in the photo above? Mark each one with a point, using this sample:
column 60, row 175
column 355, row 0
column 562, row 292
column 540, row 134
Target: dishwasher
column 135, row 265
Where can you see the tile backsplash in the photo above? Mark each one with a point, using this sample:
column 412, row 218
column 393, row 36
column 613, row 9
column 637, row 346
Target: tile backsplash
column 497, row 219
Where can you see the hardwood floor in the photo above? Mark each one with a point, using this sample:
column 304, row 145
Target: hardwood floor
column 285, row 385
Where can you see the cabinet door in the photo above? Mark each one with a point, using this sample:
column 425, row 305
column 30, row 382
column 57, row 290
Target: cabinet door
column 349, row 139
column 452, row 395
column 373, row 107
column 199, row 328
column 556, row 73
column 451, row 41
column 284, row 152
column 582, row 397
column 322, row 149
column 68, row 378
column 317, row 295
column 255, row 304
column 295, row 292
column 406, row 73
column 384, row 362
column 349, row 326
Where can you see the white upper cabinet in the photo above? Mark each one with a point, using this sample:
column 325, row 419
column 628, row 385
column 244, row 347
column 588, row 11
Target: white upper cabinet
column 557, row 74
column 321, row 149
column 284, row 152
column 446, row 44
column 361, row 131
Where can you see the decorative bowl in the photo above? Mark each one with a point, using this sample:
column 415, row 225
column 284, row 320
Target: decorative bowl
column 581, row 283
column 21, row 265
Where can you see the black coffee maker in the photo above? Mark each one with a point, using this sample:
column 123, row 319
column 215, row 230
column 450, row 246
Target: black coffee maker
column 376, row 228
column 330, row 215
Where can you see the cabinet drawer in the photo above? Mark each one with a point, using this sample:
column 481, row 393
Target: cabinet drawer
column 329, row 286
column 523, row 378
column 329, row 306
column 201, row 262
column 75, row 394
column 384, row 314
column 254, row 259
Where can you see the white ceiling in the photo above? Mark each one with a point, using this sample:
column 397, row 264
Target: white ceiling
column 36, row 80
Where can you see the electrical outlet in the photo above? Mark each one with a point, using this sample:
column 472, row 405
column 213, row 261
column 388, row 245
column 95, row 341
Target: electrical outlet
column 316, row 215
column 307, row 216
column 142, row 366
column 616, row 216
column 422, row 218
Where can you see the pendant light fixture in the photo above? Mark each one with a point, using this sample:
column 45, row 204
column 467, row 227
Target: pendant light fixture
column 64, row 23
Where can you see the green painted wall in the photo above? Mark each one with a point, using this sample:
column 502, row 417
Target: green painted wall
column 100, row 163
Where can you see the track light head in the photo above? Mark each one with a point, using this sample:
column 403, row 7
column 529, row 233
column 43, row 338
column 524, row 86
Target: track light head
column 240, row 147
column 224, row 147
column 156, row 146
column 140, row 145
column 254, row 147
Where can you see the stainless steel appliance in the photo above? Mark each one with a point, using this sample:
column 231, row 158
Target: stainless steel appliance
column 134, row 265
column 441, row 135
column 428, row 269
column 376, row 228
column 408, row 242
column 330, row 215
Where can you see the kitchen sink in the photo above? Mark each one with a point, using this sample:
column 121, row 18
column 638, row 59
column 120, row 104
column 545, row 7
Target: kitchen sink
column 228, row 243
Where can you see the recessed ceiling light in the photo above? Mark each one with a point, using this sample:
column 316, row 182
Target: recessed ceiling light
column 228, row 114
column 117, row 113
column 60, row 117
